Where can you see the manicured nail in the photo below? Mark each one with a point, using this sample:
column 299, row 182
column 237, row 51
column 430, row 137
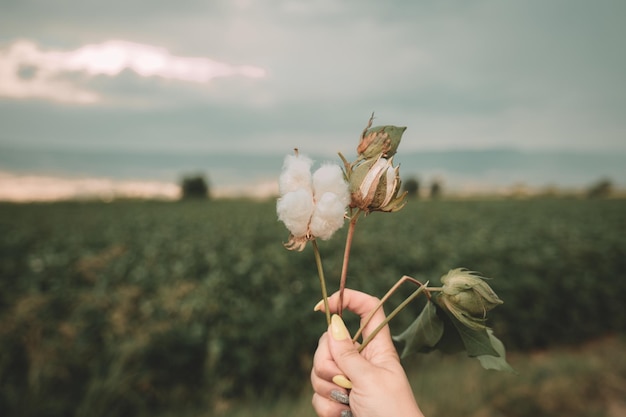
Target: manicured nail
column 342, row 381
column 319, row 306
column 338, row 328
column 340, row 397
column 346, row 413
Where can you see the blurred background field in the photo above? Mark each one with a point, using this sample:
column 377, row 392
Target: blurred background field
column 115, row 305
column 194, row 308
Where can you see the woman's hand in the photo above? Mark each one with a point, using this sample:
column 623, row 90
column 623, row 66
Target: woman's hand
column 379, row 386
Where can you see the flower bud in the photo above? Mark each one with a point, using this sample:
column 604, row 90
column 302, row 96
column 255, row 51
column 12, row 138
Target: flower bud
column 380, row 141
column 468, row 297
column 374, row 186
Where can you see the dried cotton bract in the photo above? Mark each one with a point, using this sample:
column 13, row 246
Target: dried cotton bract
column 375, row 184
column 311, row 206
column 374, row 181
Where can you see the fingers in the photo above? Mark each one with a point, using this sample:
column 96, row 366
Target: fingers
column 345, row 353
column 329, row 399
column 361, row 304
column 326, row 407
column 324, row 366
column 356, row 301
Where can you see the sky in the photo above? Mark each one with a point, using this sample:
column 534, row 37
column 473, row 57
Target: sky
column 270, row 75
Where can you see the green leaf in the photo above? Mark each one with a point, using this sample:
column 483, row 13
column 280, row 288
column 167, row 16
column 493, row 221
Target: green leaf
column 477, row 342
column 451, row 341
column 424, row 333
column 436, row 329
column 498, row 363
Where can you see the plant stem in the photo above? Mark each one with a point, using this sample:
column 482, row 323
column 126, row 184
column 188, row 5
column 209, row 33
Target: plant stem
column 393, row 289
column 320, row 272
column 391, row 316
column 346, row 258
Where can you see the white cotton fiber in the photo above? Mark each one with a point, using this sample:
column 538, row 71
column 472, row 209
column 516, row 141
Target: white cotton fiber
column 296, row 174
column 295, row 209
column 328, row 216
column 329, row 179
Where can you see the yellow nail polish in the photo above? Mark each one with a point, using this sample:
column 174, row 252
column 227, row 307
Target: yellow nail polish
column 338, row 328
column 342, row 381
column 318, row 306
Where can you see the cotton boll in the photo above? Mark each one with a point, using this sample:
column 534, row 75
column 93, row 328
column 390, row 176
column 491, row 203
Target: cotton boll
column 296, row 174
column 328, row 216
column 372, row 178
column 295, row 209
column 329, row 178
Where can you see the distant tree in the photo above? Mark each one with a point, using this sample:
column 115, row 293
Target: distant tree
column 435, row 189
column 194, row 187
column 412, row 187
column 600, row 189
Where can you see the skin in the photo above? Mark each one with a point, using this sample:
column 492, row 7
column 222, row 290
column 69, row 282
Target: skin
column 380, row 387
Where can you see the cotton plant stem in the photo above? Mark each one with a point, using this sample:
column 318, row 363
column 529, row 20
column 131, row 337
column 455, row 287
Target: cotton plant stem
column 346, row 258
column 393, row 289
column 391, row 316
column 320, row 273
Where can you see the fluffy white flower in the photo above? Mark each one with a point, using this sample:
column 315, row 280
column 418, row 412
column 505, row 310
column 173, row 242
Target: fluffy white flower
column 311, row 206
column 330, row 179
column 295, row 210
column 328, row 216
column 296, row 174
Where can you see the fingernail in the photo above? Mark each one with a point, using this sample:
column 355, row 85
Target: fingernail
column 318, row 306
column 338, row 328
column 346, row 413
column 342, row 381
column 340, row 397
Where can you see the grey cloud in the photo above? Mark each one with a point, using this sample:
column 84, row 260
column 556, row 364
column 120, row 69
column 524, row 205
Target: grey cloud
column 526, row 74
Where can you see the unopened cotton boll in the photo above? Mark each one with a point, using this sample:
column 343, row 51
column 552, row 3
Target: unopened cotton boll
column 295, row 209
column 329, row 178
column 328, row 215
column 296, row 174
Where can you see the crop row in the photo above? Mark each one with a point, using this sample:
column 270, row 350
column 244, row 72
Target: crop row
column 133, row 307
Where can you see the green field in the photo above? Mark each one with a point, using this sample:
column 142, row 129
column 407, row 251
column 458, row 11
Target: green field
column 188, row 308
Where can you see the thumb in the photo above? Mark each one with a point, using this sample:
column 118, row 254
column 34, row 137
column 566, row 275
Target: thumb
column 344, row 352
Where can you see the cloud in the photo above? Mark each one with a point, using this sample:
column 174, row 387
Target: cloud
column 530, row 74
column 28, row 71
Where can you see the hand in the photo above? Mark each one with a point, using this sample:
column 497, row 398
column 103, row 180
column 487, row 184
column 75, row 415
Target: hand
column 380, row 387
